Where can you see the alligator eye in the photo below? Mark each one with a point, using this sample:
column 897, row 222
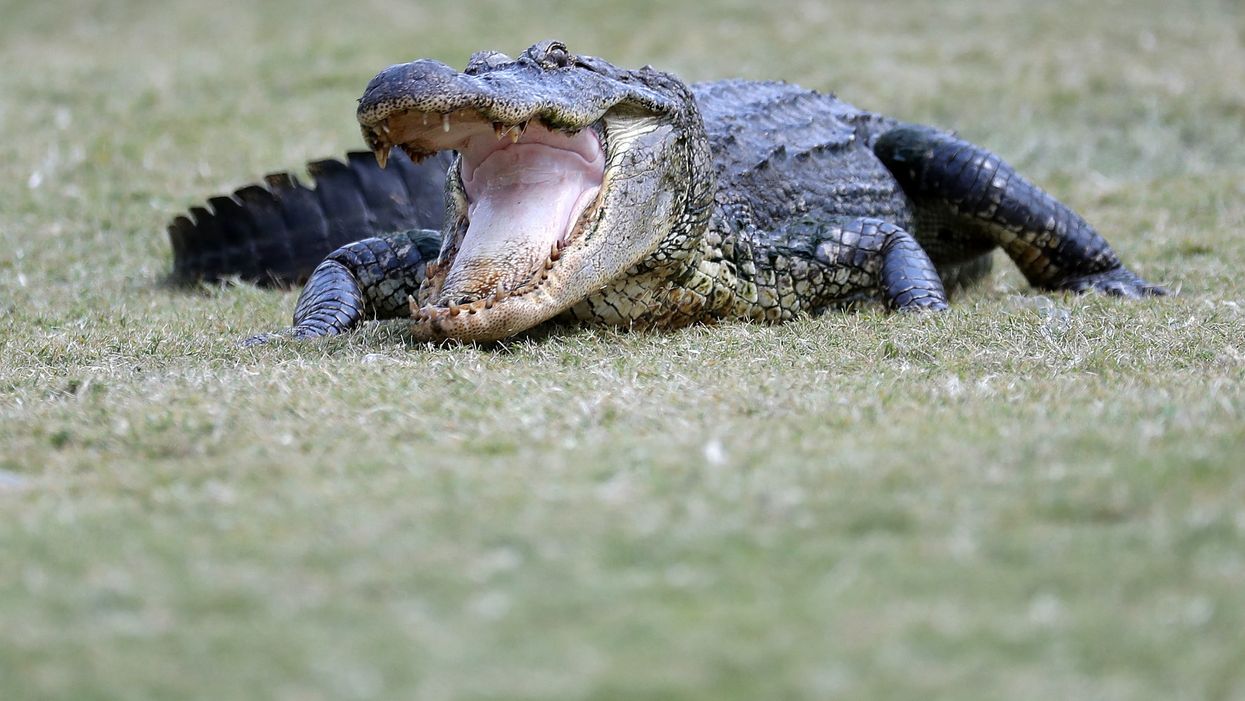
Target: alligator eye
column 549, row 54
column 556, row 56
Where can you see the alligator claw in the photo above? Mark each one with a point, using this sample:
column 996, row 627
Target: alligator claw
column 261, row 339
column 302, row 332
column 1117, row 282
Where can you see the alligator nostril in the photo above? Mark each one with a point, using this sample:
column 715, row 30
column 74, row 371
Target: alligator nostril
column 483, row 61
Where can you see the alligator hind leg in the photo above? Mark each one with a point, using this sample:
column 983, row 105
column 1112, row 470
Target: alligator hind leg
column 368, row 279
column 984, row 202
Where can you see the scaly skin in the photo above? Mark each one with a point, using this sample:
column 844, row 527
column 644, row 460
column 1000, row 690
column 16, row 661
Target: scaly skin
column 724, row 200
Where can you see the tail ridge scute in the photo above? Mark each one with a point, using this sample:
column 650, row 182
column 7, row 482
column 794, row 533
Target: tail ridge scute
column 276, row 232
column 341, row 201
column 272, row 241
column 426, row 195
column 239, row 253
column 306, row 227
column 386, row 195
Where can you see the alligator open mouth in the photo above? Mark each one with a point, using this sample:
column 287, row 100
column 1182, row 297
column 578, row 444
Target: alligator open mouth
column 529, row 190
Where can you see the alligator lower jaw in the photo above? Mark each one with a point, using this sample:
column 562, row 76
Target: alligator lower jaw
column 491, row 319
column 528, row 193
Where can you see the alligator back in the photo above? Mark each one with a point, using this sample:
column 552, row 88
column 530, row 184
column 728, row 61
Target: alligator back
column 276, row 233
column 783, row 152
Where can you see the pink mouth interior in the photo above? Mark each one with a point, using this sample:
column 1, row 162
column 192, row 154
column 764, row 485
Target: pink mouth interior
column 523, row 197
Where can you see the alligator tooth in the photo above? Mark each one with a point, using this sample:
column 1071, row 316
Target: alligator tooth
column 454, row 309
column 424, row 118
column 445, row 123
column 421, row 314
column 555, row 251
column 501, row 293
column 411, row 153
column 517, row 131
column 382, row 155
column 415, row 310
column 499, row 130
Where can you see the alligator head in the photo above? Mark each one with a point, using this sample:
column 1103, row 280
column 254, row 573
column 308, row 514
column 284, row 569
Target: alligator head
column 570, row 172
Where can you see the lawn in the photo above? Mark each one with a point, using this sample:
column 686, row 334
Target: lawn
column 1028, row 497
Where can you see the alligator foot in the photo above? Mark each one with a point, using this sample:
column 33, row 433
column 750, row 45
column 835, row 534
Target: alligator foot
column 372, row 278
column 295, row 333
column 1118, row 282
column 909, row 280
column 260, row 339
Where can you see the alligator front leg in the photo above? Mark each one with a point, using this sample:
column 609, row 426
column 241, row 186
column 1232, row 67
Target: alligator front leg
column 820, row 263
column 368, row 279
column 888, row 259
column 968, row 198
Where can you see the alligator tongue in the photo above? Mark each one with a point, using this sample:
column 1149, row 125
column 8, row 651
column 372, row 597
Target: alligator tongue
column 521, row 200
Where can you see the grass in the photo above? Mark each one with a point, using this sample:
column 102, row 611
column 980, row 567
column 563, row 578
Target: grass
column 1027, row 497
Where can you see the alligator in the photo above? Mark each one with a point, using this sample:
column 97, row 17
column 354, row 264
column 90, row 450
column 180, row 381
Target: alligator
column 557, row 186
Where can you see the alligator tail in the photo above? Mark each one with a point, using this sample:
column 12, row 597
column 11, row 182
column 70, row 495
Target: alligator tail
column 278, row 232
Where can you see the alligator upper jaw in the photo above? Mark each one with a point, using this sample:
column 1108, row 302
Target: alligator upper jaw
column 420, row 134
column 515, row 93
column 407, row 100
